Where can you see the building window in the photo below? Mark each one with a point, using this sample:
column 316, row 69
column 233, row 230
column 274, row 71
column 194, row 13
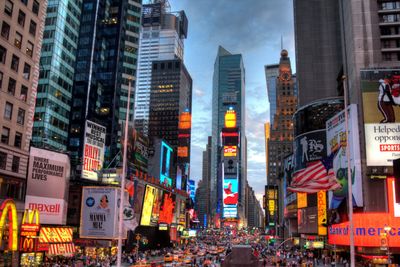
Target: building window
column 25, row 2
column 18, row 139
column 21, row 116
column 11, row 86
column 8, row 111
column 387, row 57
column 27, row 71
column 15, row 164
column 24, row 93
column 21, row 18
column 29, row 49
column 1, row 79
column 5, row 135
column 8, row 8
column 32, row 28
column 3, row 160
column 35, row 7
column 18, row 40
column 3, row 53
column 5, row 30
column 15, row 63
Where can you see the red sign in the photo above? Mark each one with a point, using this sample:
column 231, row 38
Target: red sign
column 230, row 151
column 369, row 227
column 167, row 209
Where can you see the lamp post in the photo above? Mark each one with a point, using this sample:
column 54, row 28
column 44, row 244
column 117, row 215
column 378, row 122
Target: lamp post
column 387, row 230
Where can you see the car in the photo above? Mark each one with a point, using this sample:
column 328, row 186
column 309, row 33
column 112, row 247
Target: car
column 168, row 258
column 187, row 260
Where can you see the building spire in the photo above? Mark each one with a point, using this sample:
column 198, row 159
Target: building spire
column 281, row 42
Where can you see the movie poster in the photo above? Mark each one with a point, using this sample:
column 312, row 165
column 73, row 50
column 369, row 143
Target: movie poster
column 93, row 150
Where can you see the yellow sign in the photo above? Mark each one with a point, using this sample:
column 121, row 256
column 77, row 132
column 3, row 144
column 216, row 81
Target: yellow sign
column 301, row 200
column 322, row 214
column 271, row 206
column 230, row 119
column 272, row 194
column 147, row 206
column 230, row 151
column 9, row 210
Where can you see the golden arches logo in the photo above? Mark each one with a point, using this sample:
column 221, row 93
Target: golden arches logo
column 32, row 216
column 8, row 208
column 28, row 244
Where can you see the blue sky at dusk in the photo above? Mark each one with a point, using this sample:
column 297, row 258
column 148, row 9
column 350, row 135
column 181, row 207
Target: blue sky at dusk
column 252, row 28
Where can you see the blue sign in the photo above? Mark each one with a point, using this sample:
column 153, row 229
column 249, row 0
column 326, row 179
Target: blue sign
column 165, row 164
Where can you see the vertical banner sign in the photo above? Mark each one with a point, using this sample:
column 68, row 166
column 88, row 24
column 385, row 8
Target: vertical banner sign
column 336, row 148
column 93, row 150
column 301, row 200
column 99, row 217
column 230, row 197
column 322, row 214
column 148, row 202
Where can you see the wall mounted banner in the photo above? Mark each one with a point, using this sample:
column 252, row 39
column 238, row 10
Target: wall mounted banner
column 93, row 150
column 381, row 116
column 99, row 212
column 336, row 145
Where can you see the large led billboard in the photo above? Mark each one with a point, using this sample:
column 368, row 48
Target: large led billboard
column 165, row 164
column 93, row 149
column 167, row 208
column 230, row 197
column 147, row 205
column 230, row 151
column 155, row 213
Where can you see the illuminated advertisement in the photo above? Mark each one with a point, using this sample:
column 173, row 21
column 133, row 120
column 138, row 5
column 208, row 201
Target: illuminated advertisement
column 183, row 151
column 230, row 197
column 336, row 146
column 381, row 96
column 322, row 214
column 230, row 151
column 165, row 164
column 138, row 200
column 301, row 200
column 93, row 149
column 230, row 118
column 185, row 121
column 137, row 154
column 307, row 220
column 147, row 205
column 155, row 213
column 309, row 147
column 167, row 208
column 99, row 208
column 8, row 210
column 271, row 204
column 192, row 189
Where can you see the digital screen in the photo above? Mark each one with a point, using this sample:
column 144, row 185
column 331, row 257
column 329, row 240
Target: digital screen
column 165, row 176
column 230, row 151
column 147, row 206
column 158, row 197
column 230, row 197
column 183, row 151
column 167, row 209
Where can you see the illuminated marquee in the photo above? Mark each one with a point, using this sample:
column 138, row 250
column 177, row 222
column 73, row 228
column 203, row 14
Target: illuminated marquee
column 230, row 119
column 230, row 151
column 185, row 121
column 322, row 215
column 30, row 226
column 8, row 208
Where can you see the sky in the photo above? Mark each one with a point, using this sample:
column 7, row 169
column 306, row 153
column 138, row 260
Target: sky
column 252, row 28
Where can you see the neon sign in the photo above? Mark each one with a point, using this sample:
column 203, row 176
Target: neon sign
column 8, row 208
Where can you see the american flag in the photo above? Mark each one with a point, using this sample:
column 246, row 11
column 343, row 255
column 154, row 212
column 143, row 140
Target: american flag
column 316, row 176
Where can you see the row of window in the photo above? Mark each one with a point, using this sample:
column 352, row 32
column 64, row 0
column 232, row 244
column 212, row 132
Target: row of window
column 6, row 134
column 9, row 7
column 11, row 188
column 12, row 84
column 8, row 111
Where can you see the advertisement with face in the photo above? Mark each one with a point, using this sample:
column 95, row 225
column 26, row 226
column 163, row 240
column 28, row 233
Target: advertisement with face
column 99, row 218
column 93, row 150
column 381, row 98
column 50, row 171
column 147, row 209
column 336, row 145
column 230, row 197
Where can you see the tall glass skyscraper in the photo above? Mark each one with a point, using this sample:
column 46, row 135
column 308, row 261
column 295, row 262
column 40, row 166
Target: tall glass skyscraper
column 106, row 60
column 271, row 75
column 161, row 38
column 228, row 92
column 57, row 67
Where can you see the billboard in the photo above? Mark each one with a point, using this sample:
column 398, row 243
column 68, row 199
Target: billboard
column 99, row 212
column 309, row 147
column 271, row 204
column 230, row 151
column 93, row 149
column 167, row 208
column 380, row 94
column 322, row 214
column 230, row 197
column 138, row 199
column 50, row 171
column 155, row 213
column 148, row 205
column 137, row 154
column 307, row 220
column 165, row 164
column 336, row 147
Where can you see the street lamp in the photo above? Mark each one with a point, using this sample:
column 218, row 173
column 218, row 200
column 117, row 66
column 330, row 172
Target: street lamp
column 387, row 230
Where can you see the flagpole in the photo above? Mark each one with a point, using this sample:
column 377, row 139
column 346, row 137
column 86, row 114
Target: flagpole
column 349, row 180
column 121, row 206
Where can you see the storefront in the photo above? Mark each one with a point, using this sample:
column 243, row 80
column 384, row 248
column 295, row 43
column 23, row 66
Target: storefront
column 96, row 249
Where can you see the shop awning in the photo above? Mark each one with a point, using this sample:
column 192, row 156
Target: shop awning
column 64, row 249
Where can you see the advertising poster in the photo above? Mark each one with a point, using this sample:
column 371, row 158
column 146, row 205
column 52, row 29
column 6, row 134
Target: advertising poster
column 99, row 212
column 336, row 146
column 307, row 220
column 147, row 205
column 48, row 170
column 165, row 164
column 309, row 147
column 381, row 98
column 167, row 208
column 138, row 199
column 322, row 214
column 93, row 149
column 230, row 151
column 230, row 197
column 137, row 153
column 155, row 214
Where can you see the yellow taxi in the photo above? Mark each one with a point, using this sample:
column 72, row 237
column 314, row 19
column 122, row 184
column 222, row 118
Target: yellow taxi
column 168, row 258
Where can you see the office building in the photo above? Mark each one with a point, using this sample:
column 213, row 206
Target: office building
column 228, row 102
column 271, row 76
column 161, row 38
column 22, row 25
column 105, row 67
column 57, row 69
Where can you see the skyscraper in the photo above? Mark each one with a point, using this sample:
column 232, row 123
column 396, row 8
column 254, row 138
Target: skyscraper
column 22, row 24
column 318, row 48
column 57, row 68
column 106, row 61
column 271, row 76
column 228, row 94
column 161, row 38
